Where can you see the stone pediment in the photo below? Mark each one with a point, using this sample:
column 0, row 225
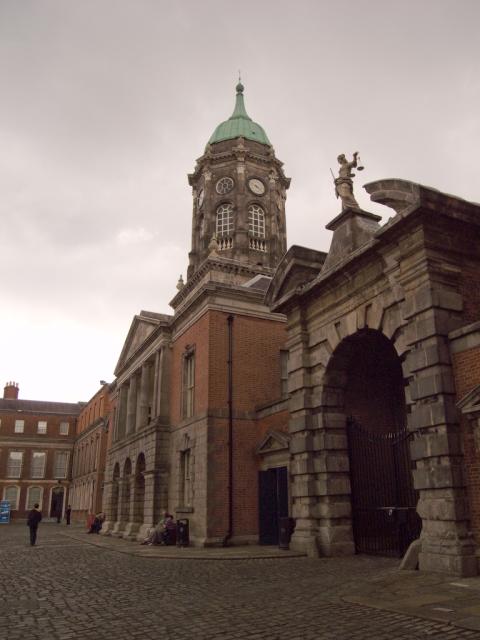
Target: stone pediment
column 143, row 325
column 470, row 403
column 272, row 442
column 297, row 267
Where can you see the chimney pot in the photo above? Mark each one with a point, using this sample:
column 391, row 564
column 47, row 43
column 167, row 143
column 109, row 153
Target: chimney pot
column 10, row 391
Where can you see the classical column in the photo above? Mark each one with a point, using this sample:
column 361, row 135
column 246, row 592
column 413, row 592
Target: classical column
column 132, row 404
column 143, row 398
column 123, row 506
column 148, row 503
column 121, row 411
column 131, row 527
column 156, row 374
column 108, row 507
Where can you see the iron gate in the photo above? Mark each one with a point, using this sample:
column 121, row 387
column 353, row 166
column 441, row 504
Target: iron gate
column 384, row 516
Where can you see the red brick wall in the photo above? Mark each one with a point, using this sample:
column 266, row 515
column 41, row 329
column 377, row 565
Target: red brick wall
column 196, row 336
column 247, row 435
column 470, row 290
column 256, row 381
column 466, row 367
column 256, row 360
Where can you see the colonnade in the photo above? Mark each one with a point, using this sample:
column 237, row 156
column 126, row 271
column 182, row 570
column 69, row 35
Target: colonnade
column 138, row 400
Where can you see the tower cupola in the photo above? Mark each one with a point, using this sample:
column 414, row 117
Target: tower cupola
column 239, row 125
column 239, row 192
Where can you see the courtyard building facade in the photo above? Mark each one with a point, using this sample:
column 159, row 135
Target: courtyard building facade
column 200, row 425
column 36, row 445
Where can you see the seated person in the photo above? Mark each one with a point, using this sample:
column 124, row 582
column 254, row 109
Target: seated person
column 169, row 532
column 97, row 523
column 154, row 534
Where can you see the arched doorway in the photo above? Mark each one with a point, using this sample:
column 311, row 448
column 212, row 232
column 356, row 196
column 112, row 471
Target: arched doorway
column 56, row 503
column 139, row 499
column 366, row 373
column 115, row 495
column 125, row 495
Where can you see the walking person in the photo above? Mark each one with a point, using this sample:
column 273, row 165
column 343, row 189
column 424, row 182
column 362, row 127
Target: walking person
column 68, row 513
column 34, row 517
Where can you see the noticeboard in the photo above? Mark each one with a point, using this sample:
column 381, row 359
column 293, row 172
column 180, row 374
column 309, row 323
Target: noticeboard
column 4, row 511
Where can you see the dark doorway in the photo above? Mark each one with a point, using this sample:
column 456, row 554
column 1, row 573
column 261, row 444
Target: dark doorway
column 56, row 506
column 384, row 517
column 273, row 503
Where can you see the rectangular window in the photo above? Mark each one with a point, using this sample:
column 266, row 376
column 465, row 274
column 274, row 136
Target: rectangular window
column 14, row 464
column 185, row 479
column 284, row 373
column 19, row 426
column 42, row 426
column 61, row 464
column 64, row 428
column 38, row 464
column 188, row 384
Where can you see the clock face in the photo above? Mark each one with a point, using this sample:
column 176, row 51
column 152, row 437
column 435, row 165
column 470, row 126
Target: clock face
column 256, row 186
column 224, row 185
column 201, row 197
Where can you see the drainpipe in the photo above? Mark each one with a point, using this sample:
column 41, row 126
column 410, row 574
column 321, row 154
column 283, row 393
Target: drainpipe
column 230, row 431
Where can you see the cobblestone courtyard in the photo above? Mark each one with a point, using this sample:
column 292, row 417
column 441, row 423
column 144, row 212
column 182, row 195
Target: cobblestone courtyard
column 69, row 588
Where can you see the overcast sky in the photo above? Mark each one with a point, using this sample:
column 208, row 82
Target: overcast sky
column 106, row 104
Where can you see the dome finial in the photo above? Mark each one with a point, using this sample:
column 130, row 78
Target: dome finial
column 239, row 86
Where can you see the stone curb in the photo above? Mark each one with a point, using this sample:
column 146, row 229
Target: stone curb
column 247, row 552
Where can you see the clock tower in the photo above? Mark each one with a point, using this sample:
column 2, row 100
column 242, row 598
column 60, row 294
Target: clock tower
column 239, row 191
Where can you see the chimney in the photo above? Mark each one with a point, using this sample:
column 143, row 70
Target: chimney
column 10, row 391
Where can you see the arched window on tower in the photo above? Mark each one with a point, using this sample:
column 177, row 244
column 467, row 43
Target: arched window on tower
column 224, row 226
column 256, row 228
column 256, row 221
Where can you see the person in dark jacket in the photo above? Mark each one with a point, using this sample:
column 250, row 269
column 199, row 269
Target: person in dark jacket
column 33, row 519
column 68, row 513
column 97, row 523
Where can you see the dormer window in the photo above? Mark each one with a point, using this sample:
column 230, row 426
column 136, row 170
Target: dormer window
column 256, row 221
column 224, row 220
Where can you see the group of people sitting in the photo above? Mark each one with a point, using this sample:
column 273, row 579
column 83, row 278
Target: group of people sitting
column 165, row 532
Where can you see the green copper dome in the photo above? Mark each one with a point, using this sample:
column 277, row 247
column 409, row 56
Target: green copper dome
column 239, row 124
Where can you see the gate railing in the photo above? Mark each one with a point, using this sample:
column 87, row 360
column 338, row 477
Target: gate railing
column 384, row 517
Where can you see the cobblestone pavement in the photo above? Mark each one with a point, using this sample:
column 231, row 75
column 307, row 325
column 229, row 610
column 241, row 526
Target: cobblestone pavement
column 66, row 588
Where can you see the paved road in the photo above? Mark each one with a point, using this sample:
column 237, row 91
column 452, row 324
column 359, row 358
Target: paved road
column 66, row 588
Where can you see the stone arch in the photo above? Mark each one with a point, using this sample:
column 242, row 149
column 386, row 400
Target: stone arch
column 362, row 379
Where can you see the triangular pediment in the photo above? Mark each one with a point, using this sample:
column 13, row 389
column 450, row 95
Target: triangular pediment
column 143, row 325
column 470, row 403
column 272, row 442
column 297, row 267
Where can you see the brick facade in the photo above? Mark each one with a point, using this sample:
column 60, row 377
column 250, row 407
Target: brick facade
column 47, row 435
column 89, row 456
column 466, row 365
